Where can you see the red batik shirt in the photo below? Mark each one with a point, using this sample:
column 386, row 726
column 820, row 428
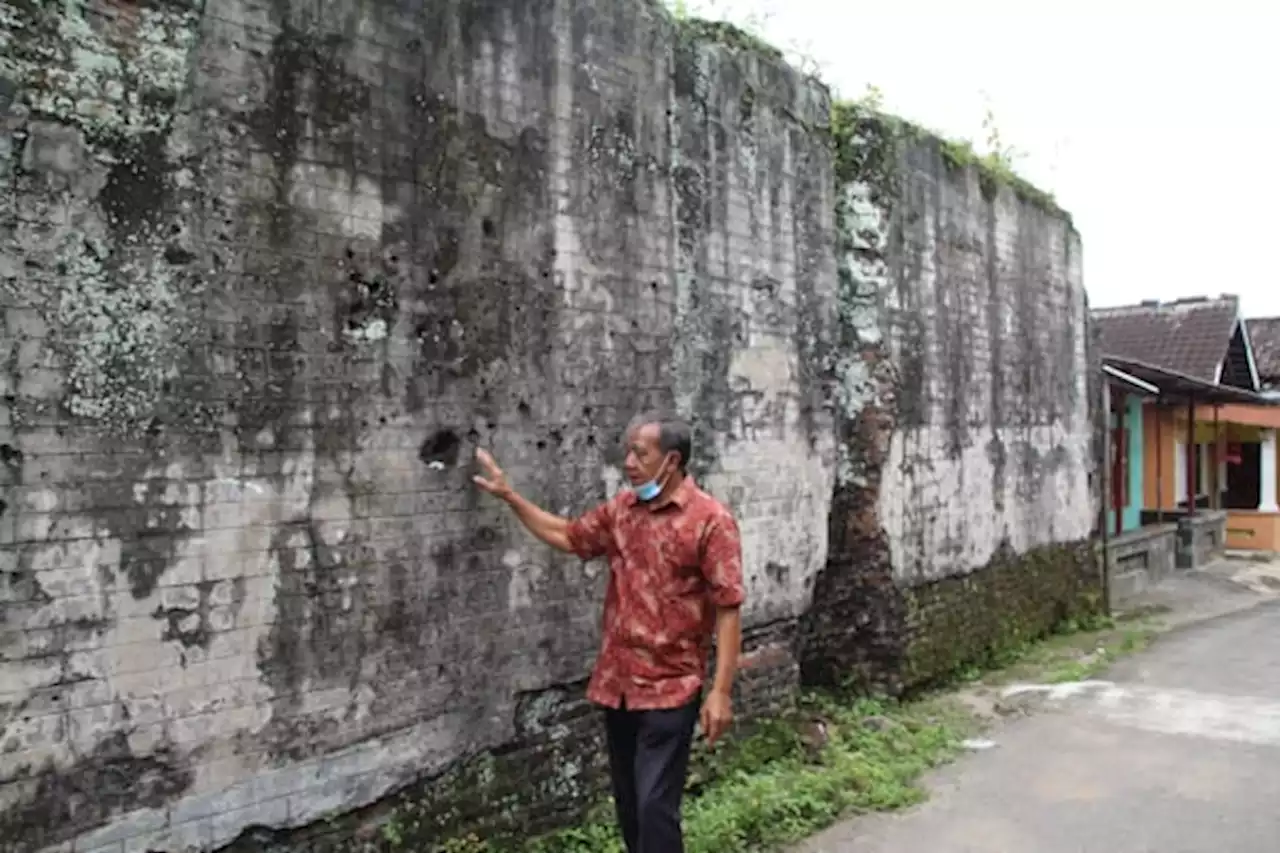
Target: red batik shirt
column 670, row 567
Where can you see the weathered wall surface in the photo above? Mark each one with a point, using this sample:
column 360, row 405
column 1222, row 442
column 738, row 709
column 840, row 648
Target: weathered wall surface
column 966, row 497
column 269, row 272
column 985, row 318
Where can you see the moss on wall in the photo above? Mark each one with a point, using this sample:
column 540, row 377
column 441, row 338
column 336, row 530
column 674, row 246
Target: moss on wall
column 1015, row 598
column 869, row 145
column 722, row 32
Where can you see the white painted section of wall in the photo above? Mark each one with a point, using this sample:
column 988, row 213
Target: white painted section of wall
column 779, row 486
column 946, row 518
column 1267, row 463
column 1000, row 447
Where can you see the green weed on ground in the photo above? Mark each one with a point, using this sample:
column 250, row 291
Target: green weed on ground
column 1076, row 651
column 823, row 759
column 830, row 756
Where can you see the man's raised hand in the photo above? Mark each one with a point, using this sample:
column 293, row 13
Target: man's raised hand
column 494, row 481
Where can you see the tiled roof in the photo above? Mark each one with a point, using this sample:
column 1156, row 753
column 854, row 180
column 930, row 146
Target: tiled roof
column 1189, row 336
column 1264, row 334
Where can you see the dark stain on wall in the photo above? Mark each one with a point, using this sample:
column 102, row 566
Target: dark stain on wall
column 814, row 332
column 132, row 497
column 136, row 194
column 57, row 805
column 318, row 638
column 309, row 92
column 711, row 327
column 996, row 450
column 482, row 291
column 189, row 626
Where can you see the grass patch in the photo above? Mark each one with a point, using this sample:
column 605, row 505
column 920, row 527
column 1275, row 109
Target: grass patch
column 1074, row 653
column 825, row 758
column 830, row 756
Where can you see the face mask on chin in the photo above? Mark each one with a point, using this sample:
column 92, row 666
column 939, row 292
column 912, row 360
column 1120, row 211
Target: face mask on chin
column 651, row 489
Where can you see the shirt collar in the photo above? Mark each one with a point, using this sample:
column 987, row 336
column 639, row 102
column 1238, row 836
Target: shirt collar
column 684, row 492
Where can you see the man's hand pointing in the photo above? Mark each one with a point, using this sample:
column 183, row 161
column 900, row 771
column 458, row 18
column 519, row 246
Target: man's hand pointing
column 494, row 481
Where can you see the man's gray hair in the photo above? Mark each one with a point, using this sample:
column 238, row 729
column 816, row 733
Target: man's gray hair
column 674, row 433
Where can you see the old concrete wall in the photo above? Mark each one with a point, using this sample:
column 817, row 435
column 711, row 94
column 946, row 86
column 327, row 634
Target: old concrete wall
column 269, row 272
column 984, row 317
column 966, row 493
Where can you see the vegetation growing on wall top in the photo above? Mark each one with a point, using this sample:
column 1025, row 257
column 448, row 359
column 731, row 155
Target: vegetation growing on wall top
column 729, row 35
column 853, row 122
column 868, row 116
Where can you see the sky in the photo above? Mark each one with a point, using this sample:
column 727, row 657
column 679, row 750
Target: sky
column 1156, row 124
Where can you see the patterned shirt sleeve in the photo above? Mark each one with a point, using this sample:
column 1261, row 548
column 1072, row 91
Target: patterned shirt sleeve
column 722, row 561
column 591, row 534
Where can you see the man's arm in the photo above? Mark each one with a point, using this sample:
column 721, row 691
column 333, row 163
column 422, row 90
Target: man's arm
column 551, row 529
column 587, row 536
column 722, row 569
column 728, row 648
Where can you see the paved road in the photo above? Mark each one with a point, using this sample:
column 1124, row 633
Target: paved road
column 1177, row 752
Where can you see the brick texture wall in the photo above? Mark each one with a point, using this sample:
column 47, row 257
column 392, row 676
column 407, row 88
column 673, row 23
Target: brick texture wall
column 270, row 272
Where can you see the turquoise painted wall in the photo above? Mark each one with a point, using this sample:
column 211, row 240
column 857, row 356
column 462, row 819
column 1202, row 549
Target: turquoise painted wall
column 1131, row 516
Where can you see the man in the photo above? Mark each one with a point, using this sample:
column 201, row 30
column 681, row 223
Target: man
column 675, row 577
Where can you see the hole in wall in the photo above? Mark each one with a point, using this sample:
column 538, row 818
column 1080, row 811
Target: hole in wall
column 178, row 256
column 10, row 455
column 4, row 505
column 442, row 448
column 524, row 409
column 488, row 227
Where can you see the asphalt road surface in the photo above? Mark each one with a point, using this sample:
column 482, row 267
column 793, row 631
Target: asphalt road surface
column 1177, row 751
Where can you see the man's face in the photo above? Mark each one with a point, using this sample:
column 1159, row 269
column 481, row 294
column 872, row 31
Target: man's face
column 644, row 456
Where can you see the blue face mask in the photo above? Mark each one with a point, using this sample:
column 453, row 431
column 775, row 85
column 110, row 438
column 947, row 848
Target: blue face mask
column 650, row 490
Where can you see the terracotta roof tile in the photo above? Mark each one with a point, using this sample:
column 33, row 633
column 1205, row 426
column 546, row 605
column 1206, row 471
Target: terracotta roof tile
column 1190, row 336
column 1264, row 334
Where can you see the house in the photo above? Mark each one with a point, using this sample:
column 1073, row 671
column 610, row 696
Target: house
column 1191, row 437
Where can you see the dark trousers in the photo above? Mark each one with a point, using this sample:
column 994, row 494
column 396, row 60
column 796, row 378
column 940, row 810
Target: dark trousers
column 649, row 758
